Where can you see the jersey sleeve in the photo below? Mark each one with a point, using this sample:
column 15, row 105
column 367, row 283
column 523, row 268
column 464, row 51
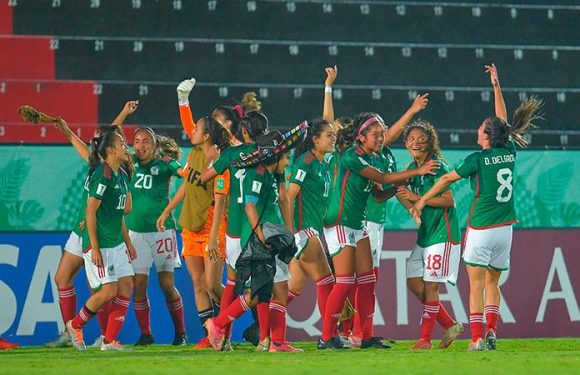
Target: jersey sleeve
column 299, row 173
column 354, row 162
column 99, row 183
column 223, row 162
column 221, row 183
column 468, row 167
column 186, row 118
column 173, row 166
column 253, row 186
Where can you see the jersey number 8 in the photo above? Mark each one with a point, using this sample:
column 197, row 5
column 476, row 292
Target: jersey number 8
column 504, row 178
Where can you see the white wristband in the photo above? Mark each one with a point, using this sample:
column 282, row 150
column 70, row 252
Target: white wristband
column 327, row 90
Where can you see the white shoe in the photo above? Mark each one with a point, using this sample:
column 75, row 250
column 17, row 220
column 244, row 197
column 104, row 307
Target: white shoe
column 113, row 345
column 98, row 341
column 76, row 336
column 62, row 341
column 450, row 335
column 476, row 346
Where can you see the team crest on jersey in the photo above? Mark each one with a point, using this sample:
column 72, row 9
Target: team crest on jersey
column 256, row 187
column 300, row 174
column 155, row 171
column 101, row 189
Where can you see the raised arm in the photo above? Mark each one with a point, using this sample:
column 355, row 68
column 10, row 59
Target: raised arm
column 185, row 114
column 399, row 126
column 128, row 109
column 499, row 102
column 80, row 146
column 328, row 109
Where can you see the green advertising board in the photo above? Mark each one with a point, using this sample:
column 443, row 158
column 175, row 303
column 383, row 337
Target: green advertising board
column 41, row 187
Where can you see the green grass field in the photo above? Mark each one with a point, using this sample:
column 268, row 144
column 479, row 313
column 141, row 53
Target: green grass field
column 525, row 356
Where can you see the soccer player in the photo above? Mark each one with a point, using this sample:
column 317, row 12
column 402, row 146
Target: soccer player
column 208, row 138
column 307, row 206
column 260, row 190
column 157, row 160
column 308, row 195
column 435, row 257
column 489, row 227
column 253, row 125
column 71, row 260
column 344, row 224
column 107, row 257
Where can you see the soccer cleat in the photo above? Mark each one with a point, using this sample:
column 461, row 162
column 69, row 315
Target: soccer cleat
column 202, row 344
column 490, row 339
column 450, row 335
column 113, row 345
column 145, row 339
column 216, row 335
column 5, row 345
column 76, row 336
column 264, row 345
column 355, row 340
column 283, row 347
column 475, row 346
column 422, row 345
column 227, row 347
column 374, row 342
column 252, row 334
column 98, row 341
column 333, row 343
column 62, row 341
column 180, row 339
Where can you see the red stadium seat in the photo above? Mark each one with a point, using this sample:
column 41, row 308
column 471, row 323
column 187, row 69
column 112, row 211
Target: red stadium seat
column 26, row 57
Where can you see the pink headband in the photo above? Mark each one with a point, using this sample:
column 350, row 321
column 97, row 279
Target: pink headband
column 239, row 110
column 370, row 120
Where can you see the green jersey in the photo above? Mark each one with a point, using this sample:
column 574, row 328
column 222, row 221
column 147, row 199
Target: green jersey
column 313, row 177
column 438, row 224
column 236, row 206
column 377, row 211
column 492, row 175
column 111, row 189
column 350, row 191
column 149, row 193
column 261, row 188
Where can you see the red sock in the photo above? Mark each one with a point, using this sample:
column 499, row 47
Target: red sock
column 365, row 303
column 116, row 317
column 491, row 317
column 264, row 319
column 323, row 288
column 142, row 313
column 476, row 325
column 228, row 296
column 82, row 318
column 291, row 295
column 443, row 317
column 348, row 324
column 335, row 304
column 175, row 308
column 103, row 316
column 232, row 312
column 278, row 321
column 430, row 311
column 67, row 299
